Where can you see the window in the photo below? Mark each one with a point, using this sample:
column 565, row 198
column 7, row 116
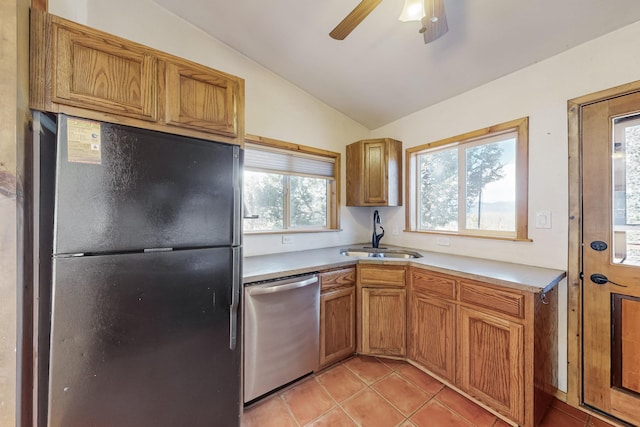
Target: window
column 473, row 184
column 289, row 187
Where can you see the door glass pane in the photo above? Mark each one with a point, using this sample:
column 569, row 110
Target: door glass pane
column 308, row 202
column 263, row 199
column 626, row 190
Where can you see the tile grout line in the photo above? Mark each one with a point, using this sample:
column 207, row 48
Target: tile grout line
column 337, row 404
column 286, row 405
column 407, row 418
column 393, row 368
column 369, row 386
column 434, row 396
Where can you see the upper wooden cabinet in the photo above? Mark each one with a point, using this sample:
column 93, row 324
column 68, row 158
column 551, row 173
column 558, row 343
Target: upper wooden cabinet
column 88, row 73
column 199, row 98
column 92, row 70
column 374, row 173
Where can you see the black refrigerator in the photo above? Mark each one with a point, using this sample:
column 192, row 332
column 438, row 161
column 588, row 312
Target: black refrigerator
column 139, row 277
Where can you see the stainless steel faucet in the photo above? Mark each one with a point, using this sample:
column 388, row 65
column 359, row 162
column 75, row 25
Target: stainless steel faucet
column 375, row 237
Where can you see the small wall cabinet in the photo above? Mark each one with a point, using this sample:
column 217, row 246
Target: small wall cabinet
column 88, row 73
column 337, row 315
column 374, row 173
column 382, row 302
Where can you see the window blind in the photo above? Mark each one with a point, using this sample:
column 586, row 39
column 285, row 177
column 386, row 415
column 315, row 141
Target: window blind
column 287, row 162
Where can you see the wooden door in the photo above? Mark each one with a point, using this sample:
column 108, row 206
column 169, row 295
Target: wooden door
column 384, row 321
column 611, row 256
column 492, row 362
column 432, row 334
column 337, row 325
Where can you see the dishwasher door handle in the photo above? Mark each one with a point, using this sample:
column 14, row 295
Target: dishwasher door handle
column 274, row 288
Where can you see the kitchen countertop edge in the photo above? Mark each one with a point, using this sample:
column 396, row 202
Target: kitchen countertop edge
column 518, row 276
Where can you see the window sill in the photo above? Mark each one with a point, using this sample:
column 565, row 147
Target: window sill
column 294, row 231
column 475, row 236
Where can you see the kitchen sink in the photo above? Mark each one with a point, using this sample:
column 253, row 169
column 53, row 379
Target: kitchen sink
column 379, row 253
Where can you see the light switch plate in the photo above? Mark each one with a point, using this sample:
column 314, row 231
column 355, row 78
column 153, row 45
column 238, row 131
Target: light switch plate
column 543, row 219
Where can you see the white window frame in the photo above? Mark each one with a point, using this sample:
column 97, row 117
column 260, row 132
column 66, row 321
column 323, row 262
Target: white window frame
column 520, row 128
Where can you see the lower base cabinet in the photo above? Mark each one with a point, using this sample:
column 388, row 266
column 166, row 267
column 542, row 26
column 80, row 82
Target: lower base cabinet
column 497, row 344
column 431, row 334
column 337, row 325
column 337, row 315
column 492, row 362
column 382, row 310
column 383, row 321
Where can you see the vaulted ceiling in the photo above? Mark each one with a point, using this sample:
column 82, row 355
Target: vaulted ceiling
column 383, row 70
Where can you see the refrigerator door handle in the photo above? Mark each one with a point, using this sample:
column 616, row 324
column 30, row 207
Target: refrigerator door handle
column 237, row 198
column 235, row 298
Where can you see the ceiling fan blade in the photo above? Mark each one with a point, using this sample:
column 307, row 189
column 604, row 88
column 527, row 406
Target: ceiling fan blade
column 352, row 20
column 434, row 24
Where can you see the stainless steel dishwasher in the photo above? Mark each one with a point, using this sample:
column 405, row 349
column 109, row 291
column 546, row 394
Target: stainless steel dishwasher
column 281, row 333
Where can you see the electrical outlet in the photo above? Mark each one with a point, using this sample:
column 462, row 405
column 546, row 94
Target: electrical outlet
column 443, row 241
column 287, row 240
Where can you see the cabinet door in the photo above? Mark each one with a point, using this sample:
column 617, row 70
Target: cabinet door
column 99, row 72
column 201, row 98
column 492, row 362
column 337, row 325
column 375, row 172
column 432, row 335
column 384, row 321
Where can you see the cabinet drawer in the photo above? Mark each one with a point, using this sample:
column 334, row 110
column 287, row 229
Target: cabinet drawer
column 337, row 278
column 382, row 276
column 510, row 303
column 427, row 282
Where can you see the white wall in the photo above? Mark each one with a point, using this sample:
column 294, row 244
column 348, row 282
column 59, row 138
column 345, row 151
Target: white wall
column 274, row 107
column 541, row 92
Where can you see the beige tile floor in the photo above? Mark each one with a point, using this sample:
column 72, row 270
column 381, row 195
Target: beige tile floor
column 370, row 392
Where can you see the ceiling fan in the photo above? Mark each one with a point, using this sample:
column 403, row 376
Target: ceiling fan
column 429, row 12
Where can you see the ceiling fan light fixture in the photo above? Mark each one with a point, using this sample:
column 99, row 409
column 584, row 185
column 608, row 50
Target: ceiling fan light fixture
column 413, row 10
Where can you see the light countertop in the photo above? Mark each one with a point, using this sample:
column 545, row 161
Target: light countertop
column 518, row 276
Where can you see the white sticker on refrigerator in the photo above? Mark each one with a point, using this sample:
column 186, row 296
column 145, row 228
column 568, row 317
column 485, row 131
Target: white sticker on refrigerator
column 83, row 141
